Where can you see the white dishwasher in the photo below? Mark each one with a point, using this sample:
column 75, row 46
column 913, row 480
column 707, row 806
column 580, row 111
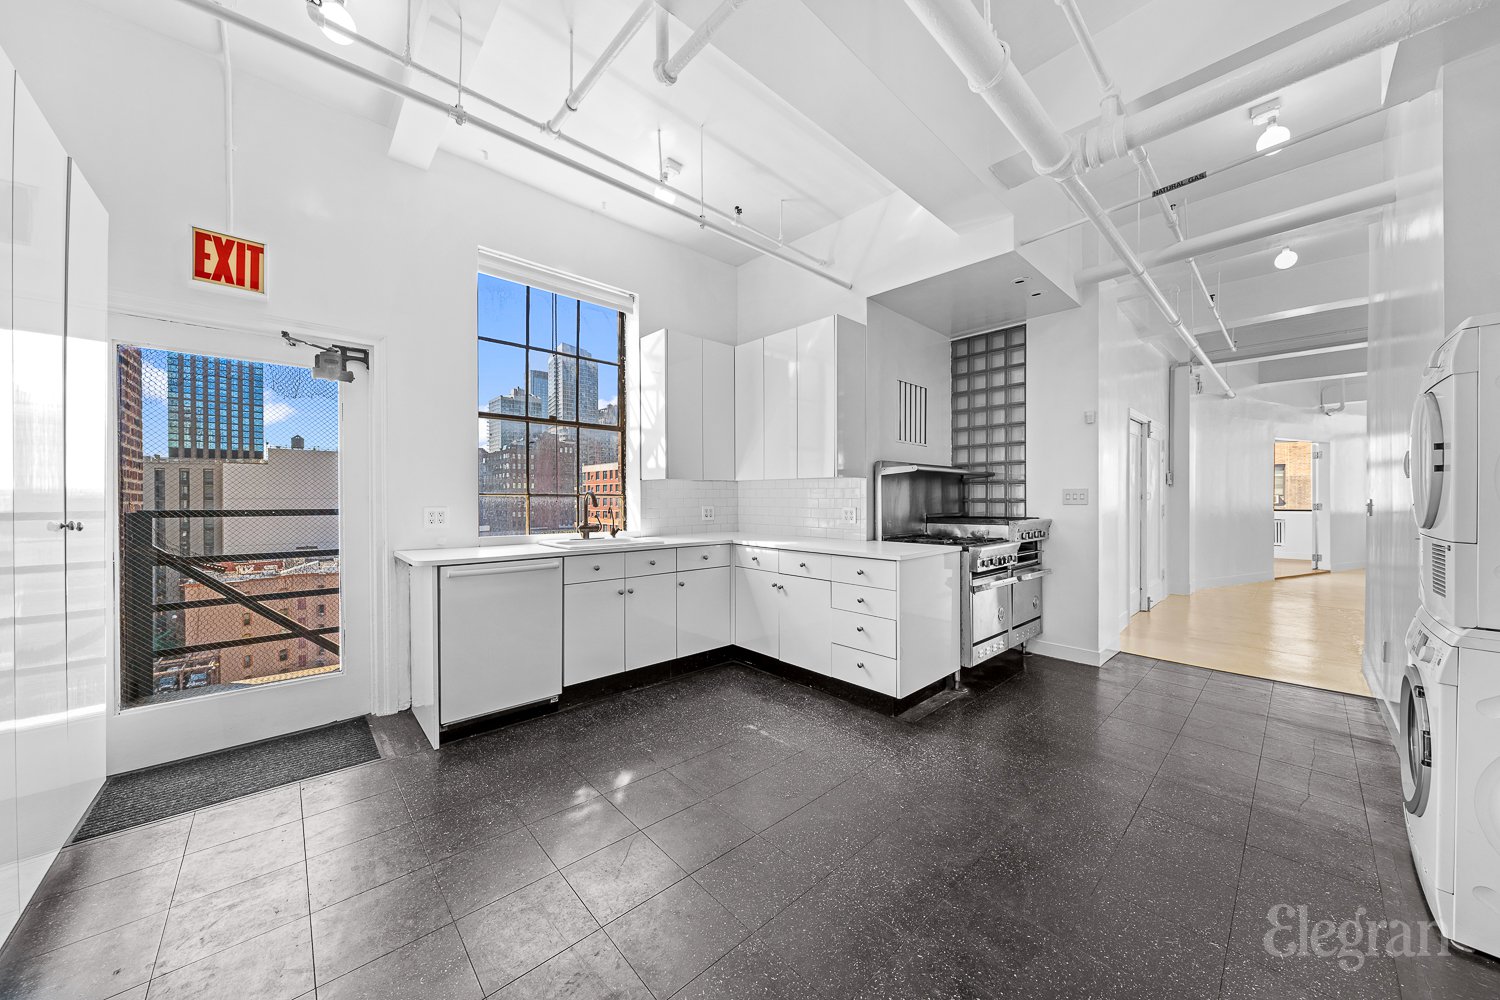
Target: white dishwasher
column 499, row 637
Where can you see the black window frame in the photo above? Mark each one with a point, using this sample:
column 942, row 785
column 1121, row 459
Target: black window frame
column 577, row 425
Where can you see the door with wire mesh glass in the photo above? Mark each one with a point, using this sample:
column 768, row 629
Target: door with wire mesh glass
column 229, row 524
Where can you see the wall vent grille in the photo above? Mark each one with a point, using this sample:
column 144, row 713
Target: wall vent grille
column 912, row 423
column 1439, row 569
column 1280, row 531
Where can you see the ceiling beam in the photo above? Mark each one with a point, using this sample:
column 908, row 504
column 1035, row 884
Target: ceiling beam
column 419, row 128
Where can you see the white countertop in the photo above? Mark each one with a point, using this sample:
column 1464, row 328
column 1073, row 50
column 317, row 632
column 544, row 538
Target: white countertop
column 894, row 551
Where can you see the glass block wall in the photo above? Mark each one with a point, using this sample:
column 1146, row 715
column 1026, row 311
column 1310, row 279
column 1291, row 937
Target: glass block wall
column 989, row 419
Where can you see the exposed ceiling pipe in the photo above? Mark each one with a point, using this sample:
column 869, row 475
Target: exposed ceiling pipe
column 1349, row 203
column 627, row 31
column 985, row 60
column 669, row 68
column 466, row 118
column 1111, row 108
column 228, row 127
column 1359, row 35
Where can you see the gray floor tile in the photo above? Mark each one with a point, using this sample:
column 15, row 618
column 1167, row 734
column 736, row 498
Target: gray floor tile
column 92, row 969
column 362, row 928
column 581, row 830
column 1217, row 814
column 241, row 817
column 674, row 936
column 343, row 825
column 276, row 965
column 433, row 967
column 723, row 766
column 238, row 861
column 511, row 936
column 647, row 800
column 200, row 927
column 117, row 854
column 698, row 835
column 755, row 881
column 492, row 870
column 340, row 788
column 616, row 878
column 365, row 864
column 774, row 794
column 51, row 922
column 467, row 825
column 593, row 969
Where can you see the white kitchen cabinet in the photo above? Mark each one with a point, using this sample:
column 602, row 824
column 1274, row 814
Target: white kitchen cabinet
column 704, row 610
column 817, row 399
column 804, row 622
column 685, row 407
column 750, row 411
column 780, row 406
column 593, row 630
column 500, row 636
column 756, row 609
column 650, row 620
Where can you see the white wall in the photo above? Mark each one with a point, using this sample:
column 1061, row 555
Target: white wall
column 356, row 241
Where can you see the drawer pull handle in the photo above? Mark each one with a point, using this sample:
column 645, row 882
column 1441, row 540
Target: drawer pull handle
column 653, row 562
column 802, row 565
column 596, row 569
column 859, row 600
column 755, row 558
column 705, row 555
column 620, row 592
column 859, row 572
column 859, row 628
column 860, row 665
column 630, row 590
column 681, row 584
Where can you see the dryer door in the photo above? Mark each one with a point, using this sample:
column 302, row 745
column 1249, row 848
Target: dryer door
column 1426, row 460
column 1416, row 738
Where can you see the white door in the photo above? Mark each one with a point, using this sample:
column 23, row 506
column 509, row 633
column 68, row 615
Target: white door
column 755, row 610
column 806, row 618
column 650, row 620
column 781, row 405
column 593, row 630
column 1135, row 513
column 336, row 423
column 704, row 612
column 491, row 662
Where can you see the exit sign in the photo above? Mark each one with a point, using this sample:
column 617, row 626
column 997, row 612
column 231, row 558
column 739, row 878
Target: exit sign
column 228, row 260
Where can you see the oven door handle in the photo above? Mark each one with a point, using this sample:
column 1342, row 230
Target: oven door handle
column 1035, row 574
column 979, row 588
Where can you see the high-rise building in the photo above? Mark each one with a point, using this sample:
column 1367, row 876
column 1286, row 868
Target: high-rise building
column 539, row 389
column 572, row 389
column 215, row 408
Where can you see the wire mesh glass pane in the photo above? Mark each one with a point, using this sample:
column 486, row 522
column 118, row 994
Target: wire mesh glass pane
column 502, row 516
column 553, row 513
column 554, row 459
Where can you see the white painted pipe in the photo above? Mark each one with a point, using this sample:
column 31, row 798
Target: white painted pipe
column 622, row 38
column 985, row 61
column 668, row 69
column 1111, row 108
column 228, row 127
column 1359, row 35
column 1349, row 203
column 464, row 117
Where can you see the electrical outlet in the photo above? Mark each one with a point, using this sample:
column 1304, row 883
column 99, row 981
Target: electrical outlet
column 434, row 517
column 851, row 515
column 708, row 513
column 1075, row 498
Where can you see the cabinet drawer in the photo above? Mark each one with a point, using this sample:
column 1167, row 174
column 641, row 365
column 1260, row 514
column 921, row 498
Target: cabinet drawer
column 604, row 566
column 651, row 562
column 865, row 572
column 809, row 564
column 755, row 557
column 865, row 600
column 878, row 673
column 702, row 556
column 878, row 635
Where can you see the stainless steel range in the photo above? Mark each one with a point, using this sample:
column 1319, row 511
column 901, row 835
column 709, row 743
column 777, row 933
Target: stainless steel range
column 1001, row 563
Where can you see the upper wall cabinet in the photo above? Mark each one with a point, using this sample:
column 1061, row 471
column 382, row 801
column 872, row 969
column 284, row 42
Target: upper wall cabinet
column 800, row 404
column 686, row 407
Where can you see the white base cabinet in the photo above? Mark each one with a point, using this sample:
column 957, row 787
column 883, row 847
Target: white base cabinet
column 756, row 611
column 650, row 620
column 705, row 610
column 593, row 630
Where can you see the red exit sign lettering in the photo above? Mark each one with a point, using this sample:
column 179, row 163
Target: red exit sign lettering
column 228, row 260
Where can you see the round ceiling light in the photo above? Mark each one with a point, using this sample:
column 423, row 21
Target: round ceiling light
column 1285, row 259
column 1274, row 135
column 334, row 19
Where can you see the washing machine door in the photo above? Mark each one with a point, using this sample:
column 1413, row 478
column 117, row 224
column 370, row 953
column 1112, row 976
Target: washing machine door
column 1426, row 460
column 1416, row 738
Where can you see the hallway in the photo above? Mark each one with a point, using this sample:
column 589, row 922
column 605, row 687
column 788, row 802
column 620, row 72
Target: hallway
column 1303, row 630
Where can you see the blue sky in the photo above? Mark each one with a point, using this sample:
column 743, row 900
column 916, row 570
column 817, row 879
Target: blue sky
column 295, row 403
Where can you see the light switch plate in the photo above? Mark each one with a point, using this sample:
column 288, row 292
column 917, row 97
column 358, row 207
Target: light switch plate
column 1075, row 498
column 434, row 517
column 708, row 513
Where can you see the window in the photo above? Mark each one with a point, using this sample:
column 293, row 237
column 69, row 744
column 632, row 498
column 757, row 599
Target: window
column 1278, row 488
column 245, row 620
column 247, row 662
column 989, row 419
column 550, row 401
column 281, row 655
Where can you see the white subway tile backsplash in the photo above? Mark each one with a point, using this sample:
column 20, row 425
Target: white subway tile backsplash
column 811, row 508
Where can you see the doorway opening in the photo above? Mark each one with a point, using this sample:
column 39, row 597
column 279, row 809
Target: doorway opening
column 1301, row 537
column 230, row 574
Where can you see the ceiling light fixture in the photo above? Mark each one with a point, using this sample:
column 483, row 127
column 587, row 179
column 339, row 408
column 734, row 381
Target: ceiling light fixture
column 334, row 19
column 1285, row 259
column 1268, row 114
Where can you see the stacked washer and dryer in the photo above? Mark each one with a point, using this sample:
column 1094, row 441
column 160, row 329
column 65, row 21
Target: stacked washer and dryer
column 1450, row 697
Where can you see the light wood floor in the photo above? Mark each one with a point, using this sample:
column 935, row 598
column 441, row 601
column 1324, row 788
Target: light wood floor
column 1294, row 567
column 1305, row 630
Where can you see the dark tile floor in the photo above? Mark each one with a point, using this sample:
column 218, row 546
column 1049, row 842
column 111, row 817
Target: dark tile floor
column 1069, row 832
